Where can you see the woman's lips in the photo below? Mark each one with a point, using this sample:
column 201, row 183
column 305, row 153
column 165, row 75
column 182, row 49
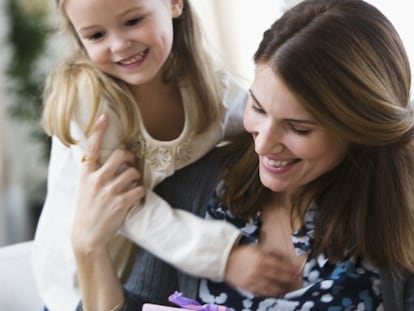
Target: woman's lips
column 278, row 166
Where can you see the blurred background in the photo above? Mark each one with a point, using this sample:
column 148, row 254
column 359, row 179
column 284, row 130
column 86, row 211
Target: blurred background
column 233, row 30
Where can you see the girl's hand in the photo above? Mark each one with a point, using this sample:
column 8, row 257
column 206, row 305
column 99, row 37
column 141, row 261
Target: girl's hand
column 250, row 268
column 107, row 192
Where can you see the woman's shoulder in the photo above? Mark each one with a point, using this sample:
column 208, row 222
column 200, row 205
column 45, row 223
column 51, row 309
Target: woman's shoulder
column 397, row 289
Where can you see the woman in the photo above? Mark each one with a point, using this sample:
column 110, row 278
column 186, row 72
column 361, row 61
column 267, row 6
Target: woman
column 328, row 180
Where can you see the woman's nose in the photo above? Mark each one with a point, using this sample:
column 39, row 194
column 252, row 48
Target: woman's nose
column 268, row 141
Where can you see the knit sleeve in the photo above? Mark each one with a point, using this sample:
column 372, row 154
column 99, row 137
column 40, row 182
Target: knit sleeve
column 179, row 235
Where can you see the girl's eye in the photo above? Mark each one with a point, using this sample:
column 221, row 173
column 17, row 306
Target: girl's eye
column 96, row 36
column 133, row 21
column 296, row 130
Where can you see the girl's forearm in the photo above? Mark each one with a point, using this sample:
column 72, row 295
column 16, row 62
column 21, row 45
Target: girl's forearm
column 194, row 245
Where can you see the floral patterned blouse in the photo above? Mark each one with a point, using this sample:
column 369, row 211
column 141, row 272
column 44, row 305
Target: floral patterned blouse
column 352, row 284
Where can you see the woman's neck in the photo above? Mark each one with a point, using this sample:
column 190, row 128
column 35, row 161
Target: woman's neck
column 282, row 204
column 279, row 221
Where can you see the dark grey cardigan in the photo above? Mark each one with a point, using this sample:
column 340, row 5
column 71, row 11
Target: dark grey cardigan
column 190, row 188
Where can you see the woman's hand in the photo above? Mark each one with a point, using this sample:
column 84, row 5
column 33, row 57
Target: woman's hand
column 251, row 268
column 107, row 192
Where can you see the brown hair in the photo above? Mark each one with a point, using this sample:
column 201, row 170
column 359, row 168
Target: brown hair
column 347, row 66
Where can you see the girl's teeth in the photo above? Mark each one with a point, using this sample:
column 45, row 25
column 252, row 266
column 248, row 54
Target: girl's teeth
column 135, row 59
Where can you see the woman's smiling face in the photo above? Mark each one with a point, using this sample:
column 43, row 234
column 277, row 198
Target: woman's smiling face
column 293, row 149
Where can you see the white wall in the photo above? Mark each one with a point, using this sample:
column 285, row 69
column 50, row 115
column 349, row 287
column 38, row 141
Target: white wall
column 235, row 28
column 401, row 15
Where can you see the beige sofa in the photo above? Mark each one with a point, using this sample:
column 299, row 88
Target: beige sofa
column 17, row 287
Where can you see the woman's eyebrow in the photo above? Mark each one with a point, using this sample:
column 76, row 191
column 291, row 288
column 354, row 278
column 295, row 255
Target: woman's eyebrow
column 302, row 121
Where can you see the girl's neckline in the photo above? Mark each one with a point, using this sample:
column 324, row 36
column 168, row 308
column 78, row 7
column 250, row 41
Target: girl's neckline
column 184, row 133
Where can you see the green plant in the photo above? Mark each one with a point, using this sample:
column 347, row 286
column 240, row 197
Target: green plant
column 27, row 37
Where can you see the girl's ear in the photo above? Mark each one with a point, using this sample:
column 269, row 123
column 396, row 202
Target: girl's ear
column 177, row 7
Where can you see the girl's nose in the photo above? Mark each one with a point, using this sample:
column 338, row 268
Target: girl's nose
column 119, row 43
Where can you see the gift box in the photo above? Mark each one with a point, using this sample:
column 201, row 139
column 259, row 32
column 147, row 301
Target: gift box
column 185, row 304
column 155, row 307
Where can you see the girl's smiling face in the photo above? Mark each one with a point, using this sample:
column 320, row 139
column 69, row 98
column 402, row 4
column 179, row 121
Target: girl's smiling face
column 127, row 39
column 293, row 148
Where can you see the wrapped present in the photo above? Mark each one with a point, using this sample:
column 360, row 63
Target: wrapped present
column 155, row 307
column 190, row 304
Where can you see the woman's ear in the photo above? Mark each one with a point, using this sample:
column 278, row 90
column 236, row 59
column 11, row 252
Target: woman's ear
column 177, row 7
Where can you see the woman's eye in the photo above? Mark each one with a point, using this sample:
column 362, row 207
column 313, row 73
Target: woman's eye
column 255, row 103
column 299, row 131
column 256, row 106
column 258, row 109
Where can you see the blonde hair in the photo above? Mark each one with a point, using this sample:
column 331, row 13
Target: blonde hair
column 63, row 93
column 187, row 61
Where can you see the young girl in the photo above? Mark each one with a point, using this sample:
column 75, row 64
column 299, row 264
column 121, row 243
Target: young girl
column 141, row 63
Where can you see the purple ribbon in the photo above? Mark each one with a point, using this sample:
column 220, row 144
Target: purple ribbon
column 190, row 304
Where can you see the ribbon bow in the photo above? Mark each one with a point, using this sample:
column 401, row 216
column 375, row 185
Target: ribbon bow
column 190, row 304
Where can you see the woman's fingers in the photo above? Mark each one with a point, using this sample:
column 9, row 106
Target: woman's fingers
column 252, row 269
column 106, row 193
column 126, row 180
column 281, row 275
column 118, row 161
column 93, row 144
